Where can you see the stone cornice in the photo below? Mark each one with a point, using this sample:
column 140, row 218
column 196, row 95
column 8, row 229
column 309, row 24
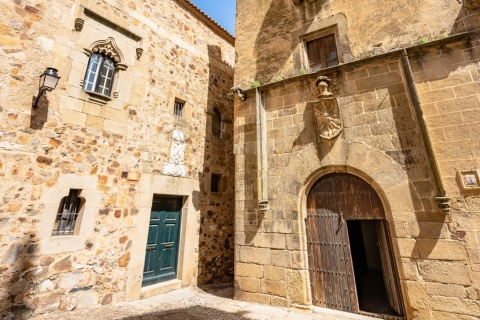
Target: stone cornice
column 212, row 24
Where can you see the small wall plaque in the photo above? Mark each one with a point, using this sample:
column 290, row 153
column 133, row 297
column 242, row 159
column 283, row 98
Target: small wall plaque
column 469, row 179
column 251, row 217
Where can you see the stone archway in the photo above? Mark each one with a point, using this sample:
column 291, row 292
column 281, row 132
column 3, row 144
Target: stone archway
column 339, row 207
column 398, row 195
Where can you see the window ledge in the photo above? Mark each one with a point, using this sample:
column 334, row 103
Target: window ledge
column 181, row 122
column 97, row 97
column 61, row 244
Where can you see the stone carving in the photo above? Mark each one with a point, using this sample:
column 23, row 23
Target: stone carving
column 139, row 53
column 263, row 205
column 326, row 111
column 443, row 204
column 239, row 93
column 175, row 167
column 79, row 24
column 109, row 48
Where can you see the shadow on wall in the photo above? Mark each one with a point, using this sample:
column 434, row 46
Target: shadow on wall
column 39, row 115
column 216, row 242
column 432, row 224
column 274, row 35
column 21, row 284
column 409, row 152
column 276, row 39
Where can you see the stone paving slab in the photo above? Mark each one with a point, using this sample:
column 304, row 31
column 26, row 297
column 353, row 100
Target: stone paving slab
column 195, row 304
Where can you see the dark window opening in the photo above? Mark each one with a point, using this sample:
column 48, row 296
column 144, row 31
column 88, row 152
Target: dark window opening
column 216, row 123
column 322, row 53
column 215, row 183
column 178, row 108
column 67, row 215
column 100, row 74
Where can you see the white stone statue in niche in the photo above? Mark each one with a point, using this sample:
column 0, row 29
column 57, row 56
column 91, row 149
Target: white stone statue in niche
column 175, row 166
column 326, row 111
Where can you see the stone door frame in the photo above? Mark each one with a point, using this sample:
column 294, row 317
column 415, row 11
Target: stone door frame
column 381, row 216
column 189, row 189
column 388, row 179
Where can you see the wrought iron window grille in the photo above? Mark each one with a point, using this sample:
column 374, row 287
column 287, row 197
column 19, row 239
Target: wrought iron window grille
column 178, row 108
column 68, row 213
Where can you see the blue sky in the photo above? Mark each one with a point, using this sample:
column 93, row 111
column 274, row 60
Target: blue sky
column 222, row 11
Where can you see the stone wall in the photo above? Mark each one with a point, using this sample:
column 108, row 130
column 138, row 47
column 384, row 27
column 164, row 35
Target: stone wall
column 217, row 213
column 270, row 42
column 103, row 148
column 448, row 80
column 381, row 142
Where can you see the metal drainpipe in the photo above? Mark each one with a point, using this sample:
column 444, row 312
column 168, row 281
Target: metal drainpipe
column 441, row 198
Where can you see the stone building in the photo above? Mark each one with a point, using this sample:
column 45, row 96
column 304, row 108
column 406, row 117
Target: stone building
column 117, row 184
column 356, row 156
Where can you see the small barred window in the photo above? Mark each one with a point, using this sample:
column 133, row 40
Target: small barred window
column 67, row 215
column 178, row 108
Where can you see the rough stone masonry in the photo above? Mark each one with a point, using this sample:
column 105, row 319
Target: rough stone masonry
column 111, row 147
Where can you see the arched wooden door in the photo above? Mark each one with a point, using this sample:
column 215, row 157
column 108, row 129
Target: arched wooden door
column 334, row 199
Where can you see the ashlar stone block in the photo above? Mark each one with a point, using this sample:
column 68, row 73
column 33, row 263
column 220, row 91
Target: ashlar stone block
column 444, row 272
column 248, row 270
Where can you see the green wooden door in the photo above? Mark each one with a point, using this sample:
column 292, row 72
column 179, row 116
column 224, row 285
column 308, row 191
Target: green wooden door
column 161, row 258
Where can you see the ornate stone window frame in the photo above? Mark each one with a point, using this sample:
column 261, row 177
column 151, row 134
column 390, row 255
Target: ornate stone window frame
column 109, row 48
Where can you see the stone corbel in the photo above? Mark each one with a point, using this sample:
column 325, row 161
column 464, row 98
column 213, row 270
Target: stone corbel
column 263, row 205
column 79, row 24
column 443, row 204
column 239, row 93
column 139, row 52
column 121, row 66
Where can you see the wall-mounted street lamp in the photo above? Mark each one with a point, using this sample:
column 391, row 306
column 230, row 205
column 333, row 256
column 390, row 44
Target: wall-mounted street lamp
column 48, row 82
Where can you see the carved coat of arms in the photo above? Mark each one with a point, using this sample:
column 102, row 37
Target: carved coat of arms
column 175, row 166
column 326, row 111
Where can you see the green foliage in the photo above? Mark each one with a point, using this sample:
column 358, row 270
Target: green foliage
column 302, row 71
column 256, row 84
column 279, row 78
column 423, row 40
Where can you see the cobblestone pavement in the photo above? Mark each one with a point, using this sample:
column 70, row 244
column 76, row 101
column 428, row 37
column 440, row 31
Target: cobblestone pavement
column 195, row 304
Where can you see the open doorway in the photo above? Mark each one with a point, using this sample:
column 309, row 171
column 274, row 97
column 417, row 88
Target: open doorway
column 351, row 262
column 368, row 267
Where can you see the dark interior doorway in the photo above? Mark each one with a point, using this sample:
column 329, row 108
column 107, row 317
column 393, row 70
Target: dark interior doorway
column 367, row 265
